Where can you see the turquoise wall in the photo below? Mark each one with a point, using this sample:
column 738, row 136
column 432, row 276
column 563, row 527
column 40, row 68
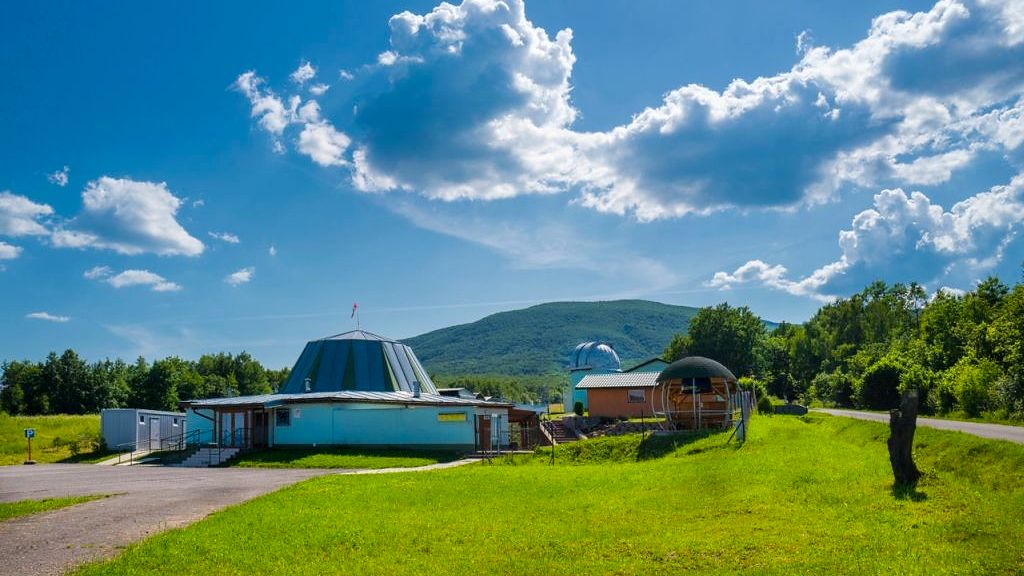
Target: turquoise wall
column 195, row 422
column 572, row 395
column 375, row 425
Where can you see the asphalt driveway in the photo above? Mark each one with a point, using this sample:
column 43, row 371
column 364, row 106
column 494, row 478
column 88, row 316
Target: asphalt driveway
column 993, row 431
column 149, row 500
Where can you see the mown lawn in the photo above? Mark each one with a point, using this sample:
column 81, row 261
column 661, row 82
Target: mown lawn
column 10, row 510
column 341, row 458
column 54, row 435
column 804, row 496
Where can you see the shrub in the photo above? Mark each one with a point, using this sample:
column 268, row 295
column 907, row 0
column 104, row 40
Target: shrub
column 578, row 408
column 75, row 448
column 754, row 385
column 1008, row 396
column 764, row 405
column 972, row 385
column 835, row 388
column 879, row 388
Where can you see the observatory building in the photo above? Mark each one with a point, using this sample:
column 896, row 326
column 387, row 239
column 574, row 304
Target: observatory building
column 351, row 389
column 586, row 359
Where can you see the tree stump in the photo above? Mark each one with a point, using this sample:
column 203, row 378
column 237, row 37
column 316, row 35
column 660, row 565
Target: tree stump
column 902, row 424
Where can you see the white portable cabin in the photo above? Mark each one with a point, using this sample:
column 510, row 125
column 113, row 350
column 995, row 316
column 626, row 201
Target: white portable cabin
column 125, row 429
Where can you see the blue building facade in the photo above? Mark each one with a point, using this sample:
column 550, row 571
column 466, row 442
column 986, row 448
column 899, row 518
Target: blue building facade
column 352, row 389
column 588, row 358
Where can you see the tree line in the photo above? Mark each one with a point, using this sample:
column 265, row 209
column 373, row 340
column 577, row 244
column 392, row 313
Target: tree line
column 67, row 384
column 963, row 352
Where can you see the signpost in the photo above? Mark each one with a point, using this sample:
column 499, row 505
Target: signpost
column 30, row 433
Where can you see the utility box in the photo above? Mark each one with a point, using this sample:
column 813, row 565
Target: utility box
column 130, row 429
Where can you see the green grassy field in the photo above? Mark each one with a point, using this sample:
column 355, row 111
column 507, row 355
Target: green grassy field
column 341, row 458
column 53, row 436
column 804, row 496
column 10, row 510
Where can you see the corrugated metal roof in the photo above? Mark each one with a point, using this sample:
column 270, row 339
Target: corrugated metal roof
column 268, row 400
column 620, row 380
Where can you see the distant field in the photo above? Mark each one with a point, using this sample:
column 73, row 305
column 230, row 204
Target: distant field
column 341, row 458
column 49, row 429
column 10, row 510
column 804, row 496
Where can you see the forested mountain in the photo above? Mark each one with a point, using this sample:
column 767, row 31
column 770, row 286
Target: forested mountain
column 538, row 339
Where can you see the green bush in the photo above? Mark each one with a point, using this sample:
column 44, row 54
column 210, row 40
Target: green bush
column 834, row 389
column 878, row 389
column 578, row 408
column 1008, row 396
column 753, row 385
column 972, row 385
column 764, row 405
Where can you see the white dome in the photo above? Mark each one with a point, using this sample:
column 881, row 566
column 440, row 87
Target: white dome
column 598, row 356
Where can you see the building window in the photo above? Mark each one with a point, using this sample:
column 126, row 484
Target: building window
column 636, row 397
column 142, row 419
column 175, row 422
column 283, row 417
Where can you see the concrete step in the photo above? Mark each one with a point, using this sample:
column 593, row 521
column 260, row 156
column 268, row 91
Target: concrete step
column 205, row 457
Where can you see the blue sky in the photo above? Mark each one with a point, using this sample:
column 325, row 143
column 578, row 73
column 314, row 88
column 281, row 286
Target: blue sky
column 192, row 178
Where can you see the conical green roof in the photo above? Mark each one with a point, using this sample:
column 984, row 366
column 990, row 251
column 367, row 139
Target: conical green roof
column 357, row 360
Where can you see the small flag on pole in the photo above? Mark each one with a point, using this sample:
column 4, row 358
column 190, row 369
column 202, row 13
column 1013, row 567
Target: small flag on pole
column 355, row 307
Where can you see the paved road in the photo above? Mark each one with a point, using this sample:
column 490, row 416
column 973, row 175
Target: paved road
column 994, row 431
column 149, row 500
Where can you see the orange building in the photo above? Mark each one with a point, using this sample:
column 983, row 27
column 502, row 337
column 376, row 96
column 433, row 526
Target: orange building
column 628, row 394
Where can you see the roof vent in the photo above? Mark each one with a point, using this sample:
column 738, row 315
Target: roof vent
column 309, row 385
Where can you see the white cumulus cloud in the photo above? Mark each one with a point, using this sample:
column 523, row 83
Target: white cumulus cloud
column 304, row 73
column 128, row 278
column 240, row 277
column 474, row 102
column 128, row 217
column 906, row 235
column 9, row 251
column 20, row 216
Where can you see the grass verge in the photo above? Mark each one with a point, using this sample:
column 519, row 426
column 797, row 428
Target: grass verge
column 10, row 510
column 54, row 438
column 809, row 495
column 340, row 458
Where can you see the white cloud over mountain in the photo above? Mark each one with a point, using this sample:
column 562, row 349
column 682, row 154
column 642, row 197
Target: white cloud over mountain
column 128, row 217
column 473, row 102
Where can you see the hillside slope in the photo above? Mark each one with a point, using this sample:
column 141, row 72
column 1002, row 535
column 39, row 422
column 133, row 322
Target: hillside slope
column 538, row 339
